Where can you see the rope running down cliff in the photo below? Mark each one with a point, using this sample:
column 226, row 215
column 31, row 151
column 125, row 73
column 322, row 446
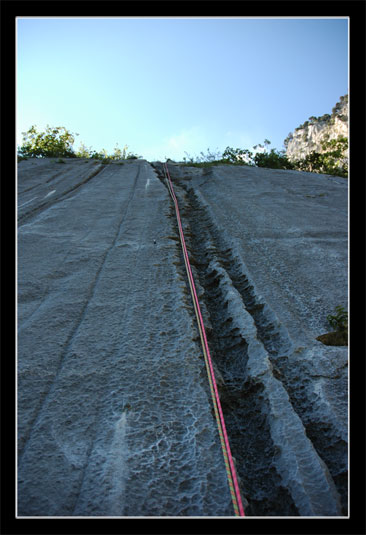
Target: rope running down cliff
column 228, row 459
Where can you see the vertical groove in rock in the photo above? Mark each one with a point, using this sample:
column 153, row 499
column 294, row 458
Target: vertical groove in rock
column 275, row 459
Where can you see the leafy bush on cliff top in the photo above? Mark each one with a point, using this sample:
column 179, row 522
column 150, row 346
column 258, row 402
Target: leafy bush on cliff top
column 58, row 142
column 54, row 142
column 272, row 160
column 329, row 162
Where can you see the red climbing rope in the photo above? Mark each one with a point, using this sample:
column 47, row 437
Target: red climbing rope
column 229, row 463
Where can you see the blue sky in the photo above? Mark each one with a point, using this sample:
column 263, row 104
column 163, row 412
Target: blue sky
column 170, row 86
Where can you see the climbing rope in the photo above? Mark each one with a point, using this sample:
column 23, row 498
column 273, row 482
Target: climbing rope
column 228, row 459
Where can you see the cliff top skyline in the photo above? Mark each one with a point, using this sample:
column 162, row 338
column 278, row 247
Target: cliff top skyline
column 166, row 86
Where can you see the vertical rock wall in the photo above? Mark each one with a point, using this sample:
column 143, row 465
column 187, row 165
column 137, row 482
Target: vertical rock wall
column 114, row 408
column 251, row 235
column 114, row 411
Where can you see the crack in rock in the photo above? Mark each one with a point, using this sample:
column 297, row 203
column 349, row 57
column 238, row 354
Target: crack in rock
column 281, row 456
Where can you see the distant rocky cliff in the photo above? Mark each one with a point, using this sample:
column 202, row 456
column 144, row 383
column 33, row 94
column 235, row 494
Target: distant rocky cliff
column 310, row 136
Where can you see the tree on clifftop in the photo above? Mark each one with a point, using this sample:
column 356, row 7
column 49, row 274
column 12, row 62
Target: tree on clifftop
column 58, row 142
column 55, row 142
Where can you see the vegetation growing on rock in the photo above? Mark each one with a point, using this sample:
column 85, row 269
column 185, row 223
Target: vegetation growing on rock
column 320, row 144
column 331, row 161
column 58, row 142
column 339, row 322
column 54, row 142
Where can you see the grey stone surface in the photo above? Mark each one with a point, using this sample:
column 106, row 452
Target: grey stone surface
column 292, row 230
column 114, row 412
column 114, row 409
column 270, row 250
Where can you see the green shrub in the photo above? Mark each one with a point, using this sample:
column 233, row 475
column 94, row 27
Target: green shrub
column 58, row 142
column 83, row 152
column 118, row 154
column 238, row 156
column 229, row 156
column 273, row 160
column 330, row 162
column 54, row 142
column 203, row 160
column 338, row 321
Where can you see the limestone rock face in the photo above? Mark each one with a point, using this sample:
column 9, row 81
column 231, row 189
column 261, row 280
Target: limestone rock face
column 309, row 136
column 115, row 417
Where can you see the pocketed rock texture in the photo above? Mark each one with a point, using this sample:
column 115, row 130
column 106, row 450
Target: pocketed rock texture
column 114, row 410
